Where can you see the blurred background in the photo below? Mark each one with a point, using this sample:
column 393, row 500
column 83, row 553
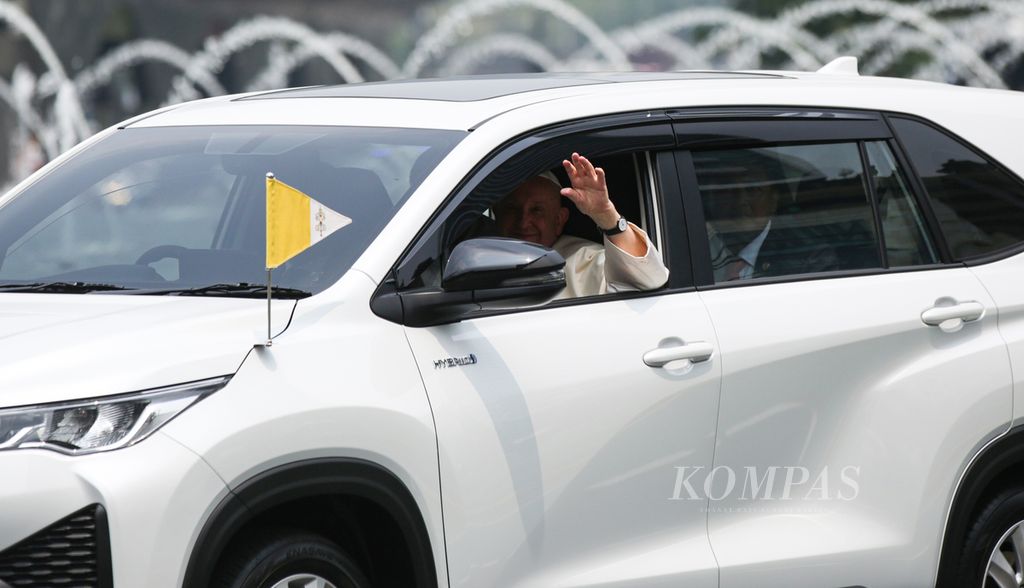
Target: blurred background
column 69, row 68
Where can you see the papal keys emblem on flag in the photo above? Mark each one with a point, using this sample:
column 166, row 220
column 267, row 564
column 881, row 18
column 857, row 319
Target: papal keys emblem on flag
column 321, row 221
column 295, row 222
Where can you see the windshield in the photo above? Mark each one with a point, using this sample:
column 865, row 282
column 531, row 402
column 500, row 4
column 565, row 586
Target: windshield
column 178, row 208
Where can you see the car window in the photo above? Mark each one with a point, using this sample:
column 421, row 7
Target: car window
column 979, row 207
column 785, row 210
column 159, row 208
column 480, row 214
column 903, row 227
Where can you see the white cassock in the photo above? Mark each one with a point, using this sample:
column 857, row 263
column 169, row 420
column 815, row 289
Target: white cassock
column 591, row 269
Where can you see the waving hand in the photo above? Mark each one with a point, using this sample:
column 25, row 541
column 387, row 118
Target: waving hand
column 589, row 191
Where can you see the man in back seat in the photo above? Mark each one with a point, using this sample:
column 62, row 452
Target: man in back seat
column 748, row 241
column 534, row 212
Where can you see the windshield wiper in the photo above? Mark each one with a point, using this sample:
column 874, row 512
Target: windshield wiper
column 242, row 289
column 61, row 287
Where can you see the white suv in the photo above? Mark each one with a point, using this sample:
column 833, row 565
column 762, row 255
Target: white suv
column 844, row 411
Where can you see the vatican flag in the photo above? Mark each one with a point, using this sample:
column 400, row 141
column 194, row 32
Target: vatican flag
column 295, row 222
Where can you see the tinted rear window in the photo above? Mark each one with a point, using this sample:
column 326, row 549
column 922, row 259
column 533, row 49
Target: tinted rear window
column 979, row 206
column 787, row 210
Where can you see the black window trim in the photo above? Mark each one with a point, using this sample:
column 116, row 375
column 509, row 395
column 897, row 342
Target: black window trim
column 738, row 126
column 920, row 196
column 680, row 274
column 693, row 216
column 675, row 249
column 931, row 228
column 775, row 113
column 876, row 215
column 922, row 193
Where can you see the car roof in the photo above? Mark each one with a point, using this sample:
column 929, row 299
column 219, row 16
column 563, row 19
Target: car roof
column 465, row 102
column 486, row 87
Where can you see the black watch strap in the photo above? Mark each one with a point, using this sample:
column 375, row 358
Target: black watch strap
column 620, row 227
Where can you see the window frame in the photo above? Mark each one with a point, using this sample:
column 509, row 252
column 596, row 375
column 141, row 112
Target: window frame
column 739, row 127
column 646, row 135
column 932, row 231
column 872, row 194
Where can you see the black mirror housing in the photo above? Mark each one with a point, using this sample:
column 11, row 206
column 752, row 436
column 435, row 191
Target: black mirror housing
column 498, row 263
column 481, row 274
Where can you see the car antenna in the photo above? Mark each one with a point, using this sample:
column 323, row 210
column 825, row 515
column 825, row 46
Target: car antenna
column 846, row 65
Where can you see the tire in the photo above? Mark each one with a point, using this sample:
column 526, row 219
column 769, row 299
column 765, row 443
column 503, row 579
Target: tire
column 288, row 559
column 993, row 542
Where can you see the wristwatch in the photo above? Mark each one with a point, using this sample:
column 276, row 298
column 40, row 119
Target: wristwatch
column 620, row 227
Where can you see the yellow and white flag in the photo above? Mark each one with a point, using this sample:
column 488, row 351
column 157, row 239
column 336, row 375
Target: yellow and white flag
column 295, row 222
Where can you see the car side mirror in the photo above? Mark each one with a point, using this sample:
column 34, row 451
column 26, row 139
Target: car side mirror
column 481, row 274
column 496, row 267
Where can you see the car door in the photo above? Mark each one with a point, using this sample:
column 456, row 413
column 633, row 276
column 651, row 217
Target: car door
column 862, row 369
column 979, row 206
column 559, row 446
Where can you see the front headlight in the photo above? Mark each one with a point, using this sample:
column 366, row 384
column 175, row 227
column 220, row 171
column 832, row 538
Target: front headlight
column 99, row 424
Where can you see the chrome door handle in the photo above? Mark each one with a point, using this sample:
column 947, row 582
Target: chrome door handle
column 964, row 312
column 696, row 352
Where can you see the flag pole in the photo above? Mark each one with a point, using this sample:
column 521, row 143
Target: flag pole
column 270, row 176
column 295, row 222
column 269, row 341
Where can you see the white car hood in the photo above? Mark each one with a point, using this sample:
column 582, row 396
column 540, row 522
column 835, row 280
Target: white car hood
column 56, row 347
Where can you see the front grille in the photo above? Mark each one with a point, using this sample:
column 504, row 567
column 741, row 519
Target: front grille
column 74, row 552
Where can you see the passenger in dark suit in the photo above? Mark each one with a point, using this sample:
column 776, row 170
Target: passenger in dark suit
column 746, row 238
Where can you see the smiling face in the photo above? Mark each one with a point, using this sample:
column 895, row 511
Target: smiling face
column 532, row 212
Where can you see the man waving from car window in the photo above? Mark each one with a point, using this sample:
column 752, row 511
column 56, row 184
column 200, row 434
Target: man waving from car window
column 535, row 212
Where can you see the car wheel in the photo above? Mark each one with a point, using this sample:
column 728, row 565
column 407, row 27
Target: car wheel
column 993, row 555
column 289, row 559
